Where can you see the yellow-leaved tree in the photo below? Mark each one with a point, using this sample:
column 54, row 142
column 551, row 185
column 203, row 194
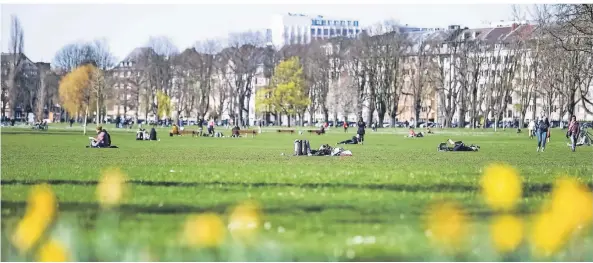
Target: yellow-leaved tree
column 287, row 93
column 163, row 104
column 81, row 88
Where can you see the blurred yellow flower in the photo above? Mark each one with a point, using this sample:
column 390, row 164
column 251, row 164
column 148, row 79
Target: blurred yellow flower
column 501, row 186
column 549, row 234
column 506, row 232
column 573, row 201
column 569, row 209
column 42, row 201
column 245, row 220
column 52, row 251
column 446, row 225
column 111, row 188
column 206, row 230
column 41, row 209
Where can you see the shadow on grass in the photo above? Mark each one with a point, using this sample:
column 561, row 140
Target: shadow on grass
column 174, row 209
column 528, row 190
column 366, row 214
column 48, row 132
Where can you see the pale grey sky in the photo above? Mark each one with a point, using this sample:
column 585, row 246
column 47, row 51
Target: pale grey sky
column 48, row 27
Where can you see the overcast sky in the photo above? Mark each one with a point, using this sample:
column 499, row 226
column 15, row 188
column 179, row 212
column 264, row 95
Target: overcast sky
column 125, row 26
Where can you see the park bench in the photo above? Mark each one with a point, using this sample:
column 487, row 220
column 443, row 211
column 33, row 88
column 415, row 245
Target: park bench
column 252, row 132
column 186, row 132
column 286, row 131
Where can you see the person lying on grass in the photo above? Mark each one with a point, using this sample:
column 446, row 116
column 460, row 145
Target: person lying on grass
column 103, row 139
column 354, row 140
column 413, row 134
column 457, row 146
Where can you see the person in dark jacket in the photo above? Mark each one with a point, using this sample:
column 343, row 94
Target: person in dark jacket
column 543, row 127
column 361, row 126
column 152, row 134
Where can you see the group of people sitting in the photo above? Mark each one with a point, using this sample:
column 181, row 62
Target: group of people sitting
column 42, row 125
column 303, row 148
column 143, row 135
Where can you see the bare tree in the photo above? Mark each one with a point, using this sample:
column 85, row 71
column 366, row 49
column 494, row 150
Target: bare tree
column 419, row 56
column 355, row 63
column 245, row 54
column 160, row 70
column 14, row 64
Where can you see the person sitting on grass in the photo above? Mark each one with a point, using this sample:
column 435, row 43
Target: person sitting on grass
column 103, row 139
column 235, row 132
column 354, row 140
column 152, row 135
column 174, row 130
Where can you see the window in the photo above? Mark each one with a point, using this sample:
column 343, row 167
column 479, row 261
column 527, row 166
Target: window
column 344, row 32
column 349, row 23
column 331, row 32
column 343, row 23
column 323, row 22
column 356, row 24
column 326, row 32
column 319, row 31
column 350, row 31
column 357, row 31
column 336, row 22
column 509, row 113
column 312, row 31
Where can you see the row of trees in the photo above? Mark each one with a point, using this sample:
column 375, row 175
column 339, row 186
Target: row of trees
column 382, row 71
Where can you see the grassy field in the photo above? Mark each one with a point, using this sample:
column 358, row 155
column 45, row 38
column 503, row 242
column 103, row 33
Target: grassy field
column 314, row 207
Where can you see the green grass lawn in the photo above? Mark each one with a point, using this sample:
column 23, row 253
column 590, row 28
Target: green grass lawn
column 313, row 205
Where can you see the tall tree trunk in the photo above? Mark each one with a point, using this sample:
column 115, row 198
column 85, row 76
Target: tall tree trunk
column 86, row 116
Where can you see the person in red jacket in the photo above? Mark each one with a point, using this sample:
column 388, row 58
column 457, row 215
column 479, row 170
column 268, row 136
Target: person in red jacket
column 345, row 126
column 573, row 132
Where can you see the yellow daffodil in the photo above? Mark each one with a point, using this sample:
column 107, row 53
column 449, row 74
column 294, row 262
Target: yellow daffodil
column 446, row 225
column 501, row 186
column 206, row 230
column 548, row 234
column 52, row 251
column 111, row 188
column 573, row 201
column 41, row 210
column 506, row 232
column 244, row 221
column 569, row 209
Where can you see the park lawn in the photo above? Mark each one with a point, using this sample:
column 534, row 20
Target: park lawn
column 313, row 205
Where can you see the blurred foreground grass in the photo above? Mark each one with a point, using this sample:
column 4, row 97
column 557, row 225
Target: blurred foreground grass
column 395, row 199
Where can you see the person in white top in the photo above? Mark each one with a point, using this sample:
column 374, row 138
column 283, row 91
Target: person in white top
column 531, row 128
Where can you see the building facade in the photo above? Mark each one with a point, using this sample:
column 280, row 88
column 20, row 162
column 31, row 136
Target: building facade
column 302, row 29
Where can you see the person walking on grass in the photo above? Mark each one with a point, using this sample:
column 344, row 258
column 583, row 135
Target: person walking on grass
column 531, row 128
column 543, row 127
column 361, row 126
column 573, row 132
column 345, row 126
